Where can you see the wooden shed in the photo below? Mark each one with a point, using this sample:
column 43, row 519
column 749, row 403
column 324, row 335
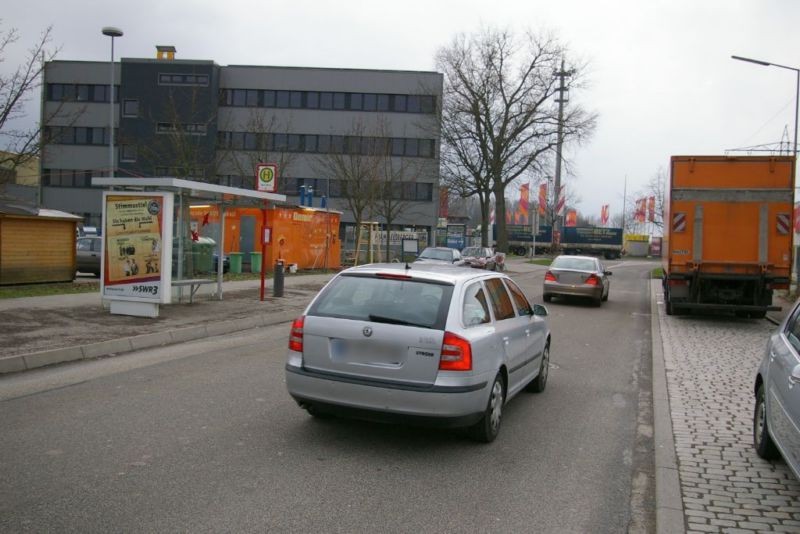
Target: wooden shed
column 36, row 244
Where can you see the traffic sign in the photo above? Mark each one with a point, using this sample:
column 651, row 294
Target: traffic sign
column 267, row 177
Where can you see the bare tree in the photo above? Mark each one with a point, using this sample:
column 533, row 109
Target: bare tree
column 653, row 189
column 183, row 124
column 20, row 145
column 357, row 172
column 263, row 140
column 499, row 118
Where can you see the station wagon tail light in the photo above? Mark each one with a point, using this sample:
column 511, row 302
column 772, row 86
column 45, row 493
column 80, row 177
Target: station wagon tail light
column 550, row 277
column 296, row 334
column 593, row 280
column 456, row 353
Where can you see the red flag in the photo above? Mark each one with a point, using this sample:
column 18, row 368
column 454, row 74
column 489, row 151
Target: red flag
column 604, row 215
column 572, row 218
column 797, row 217
column 524, row 201
column 651, row 209
column 542, row 199
column 641, row 206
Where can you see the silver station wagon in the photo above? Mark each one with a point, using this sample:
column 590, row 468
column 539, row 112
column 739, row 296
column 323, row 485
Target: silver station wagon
column 424, row 344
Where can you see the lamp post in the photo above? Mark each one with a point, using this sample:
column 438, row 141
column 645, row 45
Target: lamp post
column 112, row 32
column 796, row 106
column 797, row 90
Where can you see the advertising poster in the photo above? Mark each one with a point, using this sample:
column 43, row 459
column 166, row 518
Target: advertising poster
column 137, row 246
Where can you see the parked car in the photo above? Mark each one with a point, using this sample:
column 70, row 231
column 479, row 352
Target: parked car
column 480, row 258
column 776, row 417
column 427, row 344
column 89, row 254
column 580, row 276
column 440, row 255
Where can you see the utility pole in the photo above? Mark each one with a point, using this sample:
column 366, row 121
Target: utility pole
column 562, row 99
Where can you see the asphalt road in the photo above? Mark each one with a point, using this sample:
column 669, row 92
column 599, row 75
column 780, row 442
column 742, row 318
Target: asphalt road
column 203, row 437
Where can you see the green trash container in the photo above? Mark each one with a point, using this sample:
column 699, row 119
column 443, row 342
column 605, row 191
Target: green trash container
column 203, row 254
column 236, row 262
column 255, row 262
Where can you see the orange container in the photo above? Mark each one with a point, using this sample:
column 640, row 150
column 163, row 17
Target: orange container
column 306, row 237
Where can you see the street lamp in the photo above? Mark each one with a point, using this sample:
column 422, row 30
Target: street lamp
column 112, row 32
column 796, row 106
column 797, row 90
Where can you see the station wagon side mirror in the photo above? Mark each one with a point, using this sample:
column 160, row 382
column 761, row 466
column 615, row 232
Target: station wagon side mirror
column 539, row 310
column 607, row 273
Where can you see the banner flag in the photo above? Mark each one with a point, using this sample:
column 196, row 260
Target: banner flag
column 561, row 204
column 542, row 200
column 604, row 215
column 651, row 209
column 572, row 218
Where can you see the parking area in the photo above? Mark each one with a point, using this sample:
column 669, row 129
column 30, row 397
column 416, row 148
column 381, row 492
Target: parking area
column 710, row 365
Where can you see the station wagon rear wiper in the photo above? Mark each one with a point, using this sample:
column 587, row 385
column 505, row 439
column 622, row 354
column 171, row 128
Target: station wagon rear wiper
column 393, row 320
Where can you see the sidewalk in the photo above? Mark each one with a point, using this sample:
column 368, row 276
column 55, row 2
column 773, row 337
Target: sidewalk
column 39, row 331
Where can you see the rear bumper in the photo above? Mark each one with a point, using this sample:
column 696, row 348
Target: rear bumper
column 441, row 405
column 594, row 292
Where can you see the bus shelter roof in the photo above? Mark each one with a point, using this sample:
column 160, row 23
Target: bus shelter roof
column 194, row 190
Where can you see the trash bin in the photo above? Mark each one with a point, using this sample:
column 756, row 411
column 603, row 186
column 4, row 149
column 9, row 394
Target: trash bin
column 255, row 262
column 203, row 254
column 277, row 279
column 236, row 262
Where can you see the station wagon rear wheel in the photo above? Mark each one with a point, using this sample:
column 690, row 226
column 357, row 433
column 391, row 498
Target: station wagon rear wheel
column 487, row 429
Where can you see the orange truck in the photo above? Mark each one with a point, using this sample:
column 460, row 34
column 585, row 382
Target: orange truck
column 727, row 233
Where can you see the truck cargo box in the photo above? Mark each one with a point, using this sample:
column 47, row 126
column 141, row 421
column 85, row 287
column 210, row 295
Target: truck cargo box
column 727, row 232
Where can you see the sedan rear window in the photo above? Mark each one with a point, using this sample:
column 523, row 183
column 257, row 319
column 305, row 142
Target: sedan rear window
column 578, row 264
column 386, row 300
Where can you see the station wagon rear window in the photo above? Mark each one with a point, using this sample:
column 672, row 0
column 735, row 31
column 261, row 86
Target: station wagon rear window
column 387, row 300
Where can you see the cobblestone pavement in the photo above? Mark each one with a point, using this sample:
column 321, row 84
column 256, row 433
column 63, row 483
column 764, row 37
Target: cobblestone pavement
column 710, row 365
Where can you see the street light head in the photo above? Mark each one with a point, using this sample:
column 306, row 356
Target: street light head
column 756, row 61
column 111, row 31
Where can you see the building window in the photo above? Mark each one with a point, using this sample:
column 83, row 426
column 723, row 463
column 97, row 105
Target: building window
column 338, row 100
column 269, row 99
column 197, row 80
column 252, row 99
column 370, row 102
column 282, row 99
column 310, row 143
column 356, row 101
column 82, row 94
column 326, row 100
column 128, row 153
column 413, row 104
column 383, row 102
column 130, row 108
column 312, row 100
column 398, row 147
column 399, row 103
column 296, row 99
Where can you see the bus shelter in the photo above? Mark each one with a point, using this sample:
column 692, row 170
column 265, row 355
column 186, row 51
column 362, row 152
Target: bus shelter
column 151, row 247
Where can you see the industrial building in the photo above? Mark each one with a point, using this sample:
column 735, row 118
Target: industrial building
column 196, row 120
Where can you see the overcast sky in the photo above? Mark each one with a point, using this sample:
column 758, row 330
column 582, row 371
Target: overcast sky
column 662, row 80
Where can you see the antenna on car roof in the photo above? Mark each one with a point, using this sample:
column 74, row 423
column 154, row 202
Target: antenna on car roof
column 407, row 266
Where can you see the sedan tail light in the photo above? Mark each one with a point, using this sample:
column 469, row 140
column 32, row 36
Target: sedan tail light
column 296, row 334
column 550, row 277
column 593, row 280
column 456, row 353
